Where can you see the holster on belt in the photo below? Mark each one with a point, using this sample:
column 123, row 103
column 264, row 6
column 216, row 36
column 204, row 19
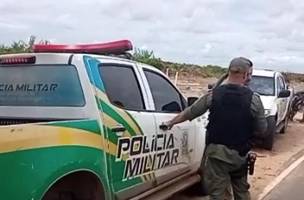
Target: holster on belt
column 247, row 168
column 251, row 158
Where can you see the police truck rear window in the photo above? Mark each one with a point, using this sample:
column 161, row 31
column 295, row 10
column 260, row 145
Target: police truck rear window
column 40, row 85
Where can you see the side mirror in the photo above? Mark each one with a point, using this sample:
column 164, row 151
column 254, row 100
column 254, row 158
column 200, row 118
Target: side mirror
column 210, row 86
column 191, row 100
column 284, row 94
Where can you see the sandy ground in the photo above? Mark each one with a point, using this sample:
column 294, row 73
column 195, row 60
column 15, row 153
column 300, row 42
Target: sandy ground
column 287, row 148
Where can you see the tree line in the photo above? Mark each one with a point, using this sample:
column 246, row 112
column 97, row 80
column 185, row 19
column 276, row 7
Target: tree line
column 140, row 55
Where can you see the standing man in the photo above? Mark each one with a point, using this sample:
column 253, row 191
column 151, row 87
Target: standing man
column 236, row 116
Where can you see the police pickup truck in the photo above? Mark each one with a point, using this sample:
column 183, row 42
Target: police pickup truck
column 79, row 122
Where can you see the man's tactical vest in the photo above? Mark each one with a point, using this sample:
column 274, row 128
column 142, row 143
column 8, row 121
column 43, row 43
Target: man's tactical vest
column 230, row 119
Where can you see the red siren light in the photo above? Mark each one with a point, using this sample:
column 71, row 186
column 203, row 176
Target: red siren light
column 116, row 47
column 14, row 60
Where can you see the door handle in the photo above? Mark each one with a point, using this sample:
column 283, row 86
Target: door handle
column 163, row 127
column 118, row 128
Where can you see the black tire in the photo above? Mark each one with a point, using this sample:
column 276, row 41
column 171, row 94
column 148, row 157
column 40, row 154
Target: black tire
column 271, row 129
column 196, row 190
column 76, row 186
column 201, row 187
column 284, row 128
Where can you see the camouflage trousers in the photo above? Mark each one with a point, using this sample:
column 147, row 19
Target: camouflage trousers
column 222, row 171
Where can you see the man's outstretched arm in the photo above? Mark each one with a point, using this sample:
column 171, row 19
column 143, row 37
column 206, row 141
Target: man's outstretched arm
column 195, row 110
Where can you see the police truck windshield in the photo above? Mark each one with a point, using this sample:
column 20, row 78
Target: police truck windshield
column 262, row 85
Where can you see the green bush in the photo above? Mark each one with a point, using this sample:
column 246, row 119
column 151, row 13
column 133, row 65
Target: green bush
column 147, row 57
column 18, row 47
column 214, row 70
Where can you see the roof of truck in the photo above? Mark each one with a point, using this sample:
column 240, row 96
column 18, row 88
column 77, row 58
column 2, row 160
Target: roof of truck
column 263, row 72
column 118, row 50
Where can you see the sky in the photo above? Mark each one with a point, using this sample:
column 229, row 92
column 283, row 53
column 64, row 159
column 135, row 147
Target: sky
column 269, row 32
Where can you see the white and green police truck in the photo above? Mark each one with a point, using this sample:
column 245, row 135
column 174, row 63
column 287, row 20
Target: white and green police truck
column 79, row 122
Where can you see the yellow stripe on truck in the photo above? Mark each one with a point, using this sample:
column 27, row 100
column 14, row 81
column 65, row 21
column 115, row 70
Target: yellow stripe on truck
column 16, row 138
column 119, row 111
column 109, row 122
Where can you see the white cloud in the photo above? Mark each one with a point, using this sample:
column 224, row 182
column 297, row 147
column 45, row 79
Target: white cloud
column 271, row 33
column 12, row 26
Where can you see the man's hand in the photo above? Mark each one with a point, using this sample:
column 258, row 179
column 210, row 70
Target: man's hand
column 176, row 120
column 166, row 125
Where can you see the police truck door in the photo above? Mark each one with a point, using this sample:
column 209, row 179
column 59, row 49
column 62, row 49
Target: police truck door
column 128, row 125
column 175, row 147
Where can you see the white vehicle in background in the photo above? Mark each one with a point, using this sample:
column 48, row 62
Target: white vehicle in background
column 276, row 97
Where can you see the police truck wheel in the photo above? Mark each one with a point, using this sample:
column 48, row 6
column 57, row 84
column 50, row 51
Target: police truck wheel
column 271, row 129
column 76, row 186
column 197, row 189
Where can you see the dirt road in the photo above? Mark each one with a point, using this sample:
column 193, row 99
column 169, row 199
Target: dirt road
column 269, row 164
column 291, row 187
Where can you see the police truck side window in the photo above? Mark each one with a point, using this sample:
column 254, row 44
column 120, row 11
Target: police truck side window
column 121, row 86
column 165, row 96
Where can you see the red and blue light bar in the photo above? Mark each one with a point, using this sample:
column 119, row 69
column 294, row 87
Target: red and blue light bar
column 116, row 47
